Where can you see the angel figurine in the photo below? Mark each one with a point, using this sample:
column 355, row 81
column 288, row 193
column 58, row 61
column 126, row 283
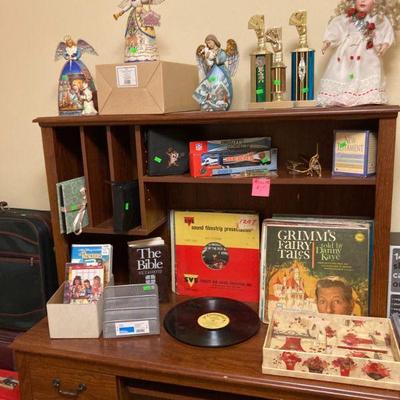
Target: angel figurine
column 140, row 35
column 215, row 91
column 77, row 93
column 361, row 32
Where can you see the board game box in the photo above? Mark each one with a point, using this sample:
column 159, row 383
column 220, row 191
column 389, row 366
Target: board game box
column 334, row 348
column 224, row 157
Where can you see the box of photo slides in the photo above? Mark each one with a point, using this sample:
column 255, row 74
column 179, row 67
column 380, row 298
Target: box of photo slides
column 131, row 310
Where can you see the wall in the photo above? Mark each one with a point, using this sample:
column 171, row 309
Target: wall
column 31, row 29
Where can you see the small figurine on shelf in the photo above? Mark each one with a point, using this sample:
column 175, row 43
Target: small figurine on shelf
column 86, row 96
column 140, row 35
column 76, row 90
column 308, row 167
column 215, row 91
column 361, row 32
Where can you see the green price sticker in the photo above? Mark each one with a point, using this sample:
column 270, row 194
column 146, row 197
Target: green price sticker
column 342, row 145
column 146, row 288
column 74, row 207
column 126, row 206
column 277, row 82
column 351, row 76
column 212, row 78
column 157, row 159
column 265, row 160
column 133, row 50
column 305, row 90
column 260, row 91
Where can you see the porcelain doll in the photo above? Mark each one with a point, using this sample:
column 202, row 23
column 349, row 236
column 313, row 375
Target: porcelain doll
column 361, row 32
column 140, row 35
column 75, row 81
column 216, row 67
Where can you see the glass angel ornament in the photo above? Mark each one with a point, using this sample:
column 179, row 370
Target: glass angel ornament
column 140, row 35
column 216, row 67
column 361, row 32
column 77, row 93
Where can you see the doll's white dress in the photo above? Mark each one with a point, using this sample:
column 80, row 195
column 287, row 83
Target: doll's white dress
column 354, row 74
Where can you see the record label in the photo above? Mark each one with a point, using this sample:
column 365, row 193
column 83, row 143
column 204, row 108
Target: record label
column 213, row 320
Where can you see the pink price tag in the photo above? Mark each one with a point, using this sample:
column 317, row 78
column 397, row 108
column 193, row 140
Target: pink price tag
column 261, row 187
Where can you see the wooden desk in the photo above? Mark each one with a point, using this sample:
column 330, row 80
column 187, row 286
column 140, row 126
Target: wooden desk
column 160, row 367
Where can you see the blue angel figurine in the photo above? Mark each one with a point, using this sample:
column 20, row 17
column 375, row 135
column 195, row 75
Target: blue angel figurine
column 216, row 67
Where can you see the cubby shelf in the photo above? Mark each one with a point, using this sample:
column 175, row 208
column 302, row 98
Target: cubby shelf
column 283, row 178
column 108, row 148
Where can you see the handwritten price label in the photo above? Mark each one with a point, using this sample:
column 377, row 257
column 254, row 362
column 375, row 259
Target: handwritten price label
column 261, row 187
column 247, row 222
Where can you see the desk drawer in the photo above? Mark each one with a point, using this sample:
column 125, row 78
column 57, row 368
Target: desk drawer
column 134, row 389
column 51, row 382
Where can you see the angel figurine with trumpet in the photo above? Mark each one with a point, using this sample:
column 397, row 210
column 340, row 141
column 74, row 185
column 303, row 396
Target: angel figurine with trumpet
column 77, row 93
column 216, row 67
column 140, row 35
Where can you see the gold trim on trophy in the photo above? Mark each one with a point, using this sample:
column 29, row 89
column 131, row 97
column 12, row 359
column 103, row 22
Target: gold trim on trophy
column 302, row 64
column 278, row 70
column 260, row 66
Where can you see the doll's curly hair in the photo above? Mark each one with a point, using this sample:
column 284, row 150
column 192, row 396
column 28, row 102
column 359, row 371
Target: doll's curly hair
column 388, row 8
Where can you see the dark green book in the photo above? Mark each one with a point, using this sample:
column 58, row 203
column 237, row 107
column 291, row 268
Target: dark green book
column 71, row 198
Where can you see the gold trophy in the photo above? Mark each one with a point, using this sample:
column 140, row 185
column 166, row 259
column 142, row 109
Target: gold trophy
column 278, row 70
column 261, row 64
column 303, row 59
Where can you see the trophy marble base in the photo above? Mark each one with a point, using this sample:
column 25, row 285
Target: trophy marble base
column 271, row 104
column 305, row 103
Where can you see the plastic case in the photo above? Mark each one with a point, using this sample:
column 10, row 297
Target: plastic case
column 131, row 310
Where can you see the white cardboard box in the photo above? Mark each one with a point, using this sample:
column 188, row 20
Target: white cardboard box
column 74, row 321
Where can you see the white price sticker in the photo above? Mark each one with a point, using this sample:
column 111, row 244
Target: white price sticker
column 248, row 222
column 132, row 328
column 127, row 76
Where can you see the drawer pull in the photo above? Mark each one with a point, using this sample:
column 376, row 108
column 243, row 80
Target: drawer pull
column 68, row 393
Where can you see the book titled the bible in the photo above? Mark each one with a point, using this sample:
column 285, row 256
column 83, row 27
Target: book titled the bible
column 149, row 263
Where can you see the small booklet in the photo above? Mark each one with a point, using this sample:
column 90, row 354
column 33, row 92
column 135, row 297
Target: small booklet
column 84, row 283
column 71, row 198
column 149, row 262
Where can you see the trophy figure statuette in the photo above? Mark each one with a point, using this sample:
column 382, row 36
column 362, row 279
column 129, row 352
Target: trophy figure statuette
column 260, row 66
column 303, row 59
column 278, row 70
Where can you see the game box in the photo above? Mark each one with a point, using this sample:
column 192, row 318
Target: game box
column 336, row 348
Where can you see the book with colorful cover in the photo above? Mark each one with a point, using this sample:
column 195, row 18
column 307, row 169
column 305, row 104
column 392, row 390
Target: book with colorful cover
column 215, row 254
column 319, row 266
column 84, row 283
column 354, row 153
column 92, row 254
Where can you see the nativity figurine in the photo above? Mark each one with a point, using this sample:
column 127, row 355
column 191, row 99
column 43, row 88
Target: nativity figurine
column 77, row 93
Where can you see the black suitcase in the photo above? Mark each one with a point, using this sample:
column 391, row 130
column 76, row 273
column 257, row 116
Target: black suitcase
column 28, row 273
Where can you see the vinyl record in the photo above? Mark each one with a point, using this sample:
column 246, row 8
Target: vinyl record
column 211, row 322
